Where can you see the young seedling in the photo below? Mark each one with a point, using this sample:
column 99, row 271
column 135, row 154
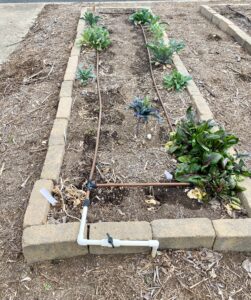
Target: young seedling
column 162, row 53
column 143, row 16
column 201, row 148
column 175, row 81
column 90, row 18
column 85, row 74
column 143, row 109
column 95, row 37
column 157, row 29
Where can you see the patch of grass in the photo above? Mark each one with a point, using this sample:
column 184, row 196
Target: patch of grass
column 162, row 53
column 202, row 151
column 85, row 74
column 90, row 19
column 143, row 16
column 175, row 81
column 95, row 37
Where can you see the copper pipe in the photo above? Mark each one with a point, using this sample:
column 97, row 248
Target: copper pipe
column 154, row 81
column 142, row 184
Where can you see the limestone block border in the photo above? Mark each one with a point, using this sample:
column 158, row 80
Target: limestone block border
column 227, row 26
column 43, row 241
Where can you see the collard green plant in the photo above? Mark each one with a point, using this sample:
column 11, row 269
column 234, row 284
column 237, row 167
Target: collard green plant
column 162, row 53
column 175, row 81
column 143, row 109
column 201, row 148
column 143, row 16
column 95, row 37
column 85, row 74
column 90, row 18
column 157, row 29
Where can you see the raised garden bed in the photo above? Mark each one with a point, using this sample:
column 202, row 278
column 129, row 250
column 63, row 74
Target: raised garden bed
column 124, row 73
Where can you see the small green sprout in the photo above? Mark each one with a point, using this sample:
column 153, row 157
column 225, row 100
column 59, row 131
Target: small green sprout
column 95, row 37
column 175, row 81
column 90, row 18
column 143, row 109
column 143, row 16
column 157, row 29
column 162, row 53
column 85, row 74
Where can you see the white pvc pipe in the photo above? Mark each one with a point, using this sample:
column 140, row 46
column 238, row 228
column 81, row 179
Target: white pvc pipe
column 154, row 244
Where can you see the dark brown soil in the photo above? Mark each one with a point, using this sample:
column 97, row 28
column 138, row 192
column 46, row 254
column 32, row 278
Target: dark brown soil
column 239, row 14
column 182, row 274
column 123, row 157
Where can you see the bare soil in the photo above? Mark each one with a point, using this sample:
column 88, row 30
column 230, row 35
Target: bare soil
column 240, row 15
column 172, row 275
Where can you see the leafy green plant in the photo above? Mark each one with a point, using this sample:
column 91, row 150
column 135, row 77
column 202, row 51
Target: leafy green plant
column 143, row 109
column 95, row 37
column 162, row 53
column 157, row 29
column 143, row 16
column 201, row 148
column 90, row 18
column 85, row 74
column 175, row 81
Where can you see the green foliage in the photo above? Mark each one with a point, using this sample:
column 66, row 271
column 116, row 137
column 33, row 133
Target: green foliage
column 90, row 18
column 201, row 149
column 162, row 53
column 143, row 109
column 85, row 74
column 143, row 16
column 95, row 37
column 157, row 29
column 175, row 81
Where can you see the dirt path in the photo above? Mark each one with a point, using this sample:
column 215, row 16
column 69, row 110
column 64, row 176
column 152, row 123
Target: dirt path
column 182, row 274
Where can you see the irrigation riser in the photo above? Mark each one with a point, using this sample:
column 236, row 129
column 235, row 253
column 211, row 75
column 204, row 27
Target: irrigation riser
column 43, row 241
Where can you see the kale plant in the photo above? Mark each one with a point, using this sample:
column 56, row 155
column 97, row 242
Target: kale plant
column 143, row 16
column 143, row 109
column 162, row 53
column 90, row 19
column 202, row 151
column 175, row 81
column 157, row 29
column 95, row 37
column 85, row 74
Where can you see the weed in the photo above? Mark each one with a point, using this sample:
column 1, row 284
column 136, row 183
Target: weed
column 85, row 74
column 163, row 53
column 143, row 109
column 143, row 16
column 201, row 148
column 175, row 81
column 90, row 18
column 95, row 37
column 157, row 29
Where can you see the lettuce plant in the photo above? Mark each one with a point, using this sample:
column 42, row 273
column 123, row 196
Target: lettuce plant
column 90, row 18
column 175, row 81
column 157, row 29
column 85, row 74
column 143, row 16
column 162, row 53
column 201, row 148
column 95, row 37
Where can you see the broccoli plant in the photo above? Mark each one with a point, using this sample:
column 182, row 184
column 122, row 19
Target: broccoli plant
column 90, row 18
column 175, row 81
column 85, row 74
column 157, row 29
column 143, row 16
column 95, row 37
column 162, row 53
column 202, row 151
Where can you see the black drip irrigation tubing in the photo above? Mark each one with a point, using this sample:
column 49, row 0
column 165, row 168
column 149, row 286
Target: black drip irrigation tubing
column 154, row 81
